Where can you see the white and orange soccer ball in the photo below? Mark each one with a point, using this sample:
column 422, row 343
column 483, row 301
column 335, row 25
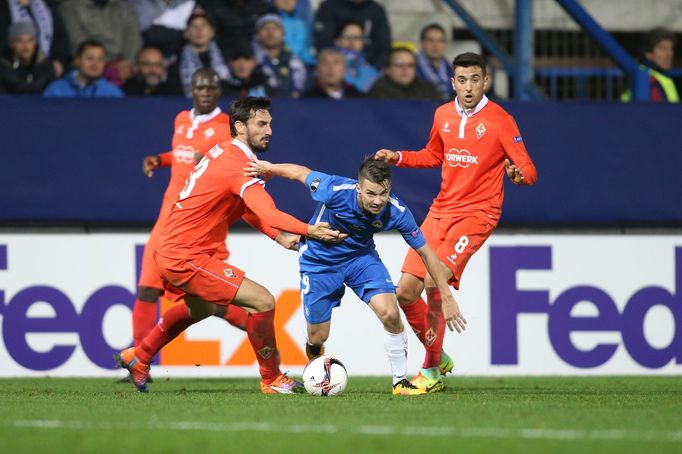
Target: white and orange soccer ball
column 325, row 376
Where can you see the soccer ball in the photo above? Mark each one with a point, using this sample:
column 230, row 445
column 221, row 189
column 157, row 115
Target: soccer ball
column 325, row 376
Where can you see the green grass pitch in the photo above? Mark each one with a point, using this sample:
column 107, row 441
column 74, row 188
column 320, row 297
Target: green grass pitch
column 576, row 415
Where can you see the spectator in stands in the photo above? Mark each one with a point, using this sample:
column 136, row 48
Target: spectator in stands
column 329, row 82
column 50, row 35
column 658, row 56
column 246, row 77
column 86, row 80
column 332, row 14
column 400, row 81
column 431, row 63
column 163, row 22
column 201, row 51
column 236, row 21
column 350, row 41
column 296, row 31
column 150, row 76
column 111, row 22
column 23, row 67
column 285, row 73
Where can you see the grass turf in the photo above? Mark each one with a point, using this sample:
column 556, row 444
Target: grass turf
column 596, row 414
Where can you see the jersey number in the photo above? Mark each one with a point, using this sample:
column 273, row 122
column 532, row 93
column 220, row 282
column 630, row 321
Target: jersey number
column 198, row 171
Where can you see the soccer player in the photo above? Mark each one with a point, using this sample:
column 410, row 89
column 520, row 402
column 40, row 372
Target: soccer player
column 188, row 248
column 473, row 140
column 361, row 208
column 195, row 132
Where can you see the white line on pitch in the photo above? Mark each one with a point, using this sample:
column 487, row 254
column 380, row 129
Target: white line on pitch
column 463, row 432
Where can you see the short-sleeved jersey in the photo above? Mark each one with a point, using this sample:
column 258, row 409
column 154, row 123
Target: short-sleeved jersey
column 192, row 134
column 338, row 205
column 211, row 198
column 471, row 145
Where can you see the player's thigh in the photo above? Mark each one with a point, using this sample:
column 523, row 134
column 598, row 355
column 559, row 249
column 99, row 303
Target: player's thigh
column 150, row 276
column 253, row 296
column 198, row 308
column 318, row 333
column 367, row 276
column 410, row 288
column 321, row 292
column 464, row 237
column 433, row 231
column 385, row 306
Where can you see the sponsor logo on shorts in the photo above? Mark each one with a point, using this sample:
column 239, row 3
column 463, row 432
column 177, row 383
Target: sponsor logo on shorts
column 460, row 158
column 229, row 273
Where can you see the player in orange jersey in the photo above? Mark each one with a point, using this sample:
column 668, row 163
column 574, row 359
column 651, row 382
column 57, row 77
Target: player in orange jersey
column 196, row 131
column 475, row 142
column 188, row 247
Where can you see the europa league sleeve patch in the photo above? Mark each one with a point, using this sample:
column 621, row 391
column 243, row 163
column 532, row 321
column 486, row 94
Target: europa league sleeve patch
column 315, row 184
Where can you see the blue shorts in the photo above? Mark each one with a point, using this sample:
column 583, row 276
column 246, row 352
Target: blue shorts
column 323, row 288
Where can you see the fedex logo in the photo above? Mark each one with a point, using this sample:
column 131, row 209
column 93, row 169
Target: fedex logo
column 460, row 158
column 89, row 324
column 508, row 303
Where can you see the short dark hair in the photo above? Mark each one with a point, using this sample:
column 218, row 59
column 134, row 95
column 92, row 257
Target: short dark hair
column 655, row 36
column 88, row 43
column 245, row 108
column 340, row 28
column 374, row 170
column 467, row 60
column 427, row 28
column 398, row 49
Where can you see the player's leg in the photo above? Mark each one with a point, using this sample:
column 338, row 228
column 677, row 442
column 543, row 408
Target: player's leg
column 321, row 292
column 234, row 315
column 318, row 333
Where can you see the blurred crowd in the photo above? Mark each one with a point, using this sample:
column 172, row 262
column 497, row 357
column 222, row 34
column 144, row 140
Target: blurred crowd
column 276, row 48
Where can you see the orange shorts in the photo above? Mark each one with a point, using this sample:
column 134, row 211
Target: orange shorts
column 204, row 276
column 150, row 276
column 454, row 239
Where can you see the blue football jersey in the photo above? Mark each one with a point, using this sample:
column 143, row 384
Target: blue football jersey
column 338, row 205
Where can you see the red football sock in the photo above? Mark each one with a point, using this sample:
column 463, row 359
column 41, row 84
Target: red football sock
column 416, row 317
column 435, row 331
column 144, row 319
column 260, row 328
column 172, row 322
column 236, row 316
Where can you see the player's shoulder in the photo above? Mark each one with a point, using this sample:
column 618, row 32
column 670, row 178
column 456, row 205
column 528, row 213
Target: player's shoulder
column 222, row 118
column 396, row 206
column 182, row 117
column 445, row 109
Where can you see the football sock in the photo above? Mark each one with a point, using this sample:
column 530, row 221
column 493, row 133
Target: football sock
column 435, row 328
column 260, row 327
column 416, row 317
column 236, row 316
column 144, row 319
column 174, row 321
column 396, row 350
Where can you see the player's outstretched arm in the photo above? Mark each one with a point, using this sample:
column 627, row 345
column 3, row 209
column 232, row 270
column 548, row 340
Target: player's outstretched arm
column 389, row 156
column 265, row 169
column 453, row 316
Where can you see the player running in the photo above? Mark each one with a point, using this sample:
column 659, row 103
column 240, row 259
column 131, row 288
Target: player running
column 361, row 208
column 473, row 140
column 189, row 245
column 195, row 132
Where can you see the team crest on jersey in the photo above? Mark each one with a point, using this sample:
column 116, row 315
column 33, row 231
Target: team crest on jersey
column 210, row 132
column 480, row 130
column 315, row 184
column 446, row 127
column 378, row 225
column 229, row 273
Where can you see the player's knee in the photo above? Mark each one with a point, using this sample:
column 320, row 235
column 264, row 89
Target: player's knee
column 407, row 295
column 264, row 301
column 389, row 316
column 148, row 294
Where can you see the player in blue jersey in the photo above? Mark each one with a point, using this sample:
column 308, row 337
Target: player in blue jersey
column 360, row 208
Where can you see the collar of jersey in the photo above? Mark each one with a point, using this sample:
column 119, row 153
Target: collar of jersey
column 469, row 112
column 242, row 146
column 205, row 117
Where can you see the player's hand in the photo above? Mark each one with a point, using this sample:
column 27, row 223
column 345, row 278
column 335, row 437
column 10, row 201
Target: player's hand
column 453, row 316
column 322, row 232
column 514, row 173
column 288, row 241
column 149, row 164
column 390, row 157
column 258, row 169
